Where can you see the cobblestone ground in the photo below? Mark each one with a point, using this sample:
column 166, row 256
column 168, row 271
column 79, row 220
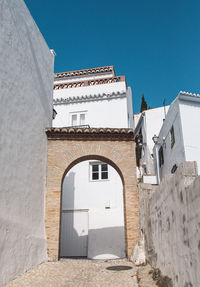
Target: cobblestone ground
column 78, row 273
column 145, row 277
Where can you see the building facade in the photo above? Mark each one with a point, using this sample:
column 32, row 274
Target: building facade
column 178, row 139
column 93, row 97
column 26, row 80
column 92, row 221
column 147, row 124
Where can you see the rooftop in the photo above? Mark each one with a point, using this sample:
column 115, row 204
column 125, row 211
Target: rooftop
column 92, row 71
column 181, row 93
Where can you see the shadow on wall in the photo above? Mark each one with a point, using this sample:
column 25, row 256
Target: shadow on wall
column 102, row 243
column 106, row 242
column 68, row 191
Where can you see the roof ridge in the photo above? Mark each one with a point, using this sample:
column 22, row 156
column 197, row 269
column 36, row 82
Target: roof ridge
column 90, row 97
column 85, row 71
column 188, row 94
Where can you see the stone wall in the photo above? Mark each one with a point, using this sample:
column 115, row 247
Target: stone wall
column 26, row 81
column 170, row 220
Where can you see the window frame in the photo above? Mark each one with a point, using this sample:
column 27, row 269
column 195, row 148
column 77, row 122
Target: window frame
column 99, row 172
column 78, row 118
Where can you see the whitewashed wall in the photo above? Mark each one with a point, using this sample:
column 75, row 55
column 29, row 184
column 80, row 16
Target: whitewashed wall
column 113, row 113
column 26, row 81
column 150, row 123
column 106, row 113
column 176, row 154
column 106, row 226
column 154, row 120
column 90, row 90
column 184, row 115
column 130, row 107
column 190, row 118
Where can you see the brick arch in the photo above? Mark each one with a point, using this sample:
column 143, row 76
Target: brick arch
column 93, row 157
column 65, row 149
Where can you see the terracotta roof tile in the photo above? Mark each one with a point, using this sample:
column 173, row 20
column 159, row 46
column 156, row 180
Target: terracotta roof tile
column 84, row 72
column 89, row 83
column 94, row 133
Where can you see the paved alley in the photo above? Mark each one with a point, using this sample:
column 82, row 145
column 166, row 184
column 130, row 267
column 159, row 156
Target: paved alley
column 79, row 273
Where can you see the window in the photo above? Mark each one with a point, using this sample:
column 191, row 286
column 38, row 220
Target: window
column 161, row 156
column 174, row 168
column 82, row 119
column 98, row 171
column 78, row 119
column 172, row 136
column 74, row 120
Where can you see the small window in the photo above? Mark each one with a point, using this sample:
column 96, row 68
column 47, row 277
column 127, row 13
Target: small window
column 74, row 120
column 174, row 168
column 104, row 171
column 82, row 119
column 172, row 136
column 161, row 156
column 95, row 172
column 99, row 171
column 78, row 119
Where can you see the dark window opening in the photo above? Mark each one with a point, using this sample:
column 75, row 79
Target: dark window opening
column 172, row 136
column 161, row 156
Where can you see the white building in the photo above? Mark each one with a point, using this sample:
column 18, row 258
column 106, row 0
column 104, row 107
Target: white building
column 147, row 124
column 92, row 223
column 26, row 81
column 94, row 97
column 179, row 139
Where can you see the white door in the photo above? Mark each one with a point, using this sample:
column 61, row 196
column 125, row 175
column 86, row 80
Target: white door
column 74, row 233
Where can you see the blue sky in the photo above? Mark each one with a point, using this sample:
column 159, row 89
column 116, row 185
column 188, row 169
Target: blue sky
column 154, row 43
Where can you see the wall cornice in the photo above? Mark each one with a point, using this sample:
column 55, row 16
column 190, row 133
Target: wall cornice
column 89, row 98
column 114, row 134
column 86, row 83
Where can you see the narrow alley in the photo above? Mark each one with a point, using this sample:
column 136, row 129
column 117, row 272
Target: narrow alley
column 79, row 273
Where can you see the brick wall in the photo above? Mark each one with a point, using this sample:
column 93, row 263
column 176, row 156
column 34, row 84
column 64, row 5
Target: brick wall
column 63, row 154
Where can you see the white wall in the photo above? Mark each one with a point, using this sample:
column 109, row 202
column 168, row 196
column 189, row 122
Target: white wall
column 115, row 112
column 26, row 80
column 106, row 226
column 106, row 113
column 154, row 120
column 130, row 107
column 176, row 154
column 190, row 116
column 90, row 90
column 136, row 118
column 150, row 123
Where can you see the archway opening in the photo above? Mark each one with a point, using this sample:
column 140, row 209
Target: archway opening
column 92, row 210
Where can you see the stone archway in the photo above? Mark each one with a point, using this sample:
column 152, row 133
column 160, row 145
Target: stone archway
column 68, row 146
